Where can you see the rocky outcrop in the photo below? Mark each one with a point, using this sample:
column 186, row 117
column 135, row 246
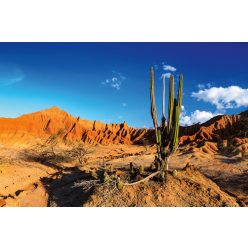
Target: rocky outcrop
column 218, row 128
column 55, row 124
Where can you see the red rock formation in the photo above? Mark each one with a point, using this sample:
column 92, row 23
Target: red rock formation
column 217, row 128
column 54, row 123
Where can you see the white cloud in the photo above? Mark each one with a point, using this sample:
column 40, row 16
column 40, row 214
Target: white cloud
column 223, row 98
column 203, row 86
column 166, row 75
column 208, row 85
column 169, row 68
column 115, row 81
column 116, row 85
column 196, row 117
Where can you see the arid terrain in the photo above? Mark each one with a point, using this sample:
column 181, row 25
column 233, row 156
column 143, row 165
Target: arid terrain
column 50, row 158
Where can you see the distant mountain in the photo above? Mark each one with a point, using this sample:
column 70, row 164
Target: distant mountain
column 56, row 124
column 218, row 128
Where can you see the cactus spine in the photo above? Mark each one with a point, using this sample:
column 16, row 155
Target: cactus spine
column 167, row 133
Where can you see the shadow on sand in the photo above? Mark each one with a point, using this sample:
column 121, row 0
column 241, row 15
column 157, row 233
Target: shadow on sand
column 61, row 190
column 230, row 160
column 235, row 185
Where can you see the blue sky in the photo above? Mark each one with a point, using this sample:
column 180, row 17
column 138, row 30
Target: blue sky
column 110, row 81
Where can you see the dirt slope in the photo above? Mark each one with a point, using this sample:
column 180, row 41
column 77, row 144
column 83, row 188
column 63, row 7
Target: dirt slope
column 189, row 188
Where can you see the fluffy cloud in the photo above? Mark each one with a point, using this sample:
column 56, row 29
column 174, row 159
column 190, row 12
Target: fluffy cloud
column 203, row 86
column 196, row 117
column 169, row 68
column 166, row 75
column 223, row 98
column 115, row 81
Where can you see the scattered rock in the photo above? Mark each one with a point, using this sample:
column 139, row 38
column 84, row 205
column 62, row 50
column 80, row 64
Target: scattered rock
column 2, row 203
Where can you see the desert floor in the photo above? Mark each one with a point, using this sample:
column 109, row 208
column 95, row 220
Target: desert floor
column 28, row 183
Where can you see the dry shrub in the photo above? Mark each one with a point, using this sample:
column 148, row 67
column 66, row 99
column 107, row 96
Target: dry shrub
column 51, row 153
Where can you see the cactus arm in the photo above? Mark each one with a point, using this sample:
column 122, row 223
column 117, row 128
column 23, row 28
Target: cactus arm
column 180, row 92
column 153, row 103
column 176, row 129
column 163, row 120
column 178, row 107
column 154, row 112
column 163, row 98
column 171, row 104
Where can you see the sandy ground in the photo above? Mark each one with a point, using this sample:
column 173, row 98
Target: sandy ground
column 30, row 183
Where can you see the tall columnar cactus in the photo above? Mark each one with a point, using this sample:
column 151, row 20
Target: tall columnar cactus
column 154, row 113
column 171, row 104
column 168, row 131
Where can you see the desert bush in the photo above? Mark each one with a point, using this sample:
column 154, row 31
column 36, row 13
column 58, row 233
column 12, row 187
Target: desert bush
column 45, row 154
column 50, row 153
column 244, row 155
column 79, row 152
column 94, row 174
column 227, row 147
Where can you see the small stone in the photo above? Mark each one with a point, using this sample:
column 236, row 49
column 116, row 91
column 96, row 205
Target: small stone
column 2, row 202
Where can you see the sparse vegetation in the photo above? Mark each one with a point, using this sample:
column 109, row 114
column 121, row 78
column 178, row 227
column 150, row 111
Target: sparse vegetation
column 227, row 147
column 49, row 153
column 46, row 154
column 79, row 152
column 94, row 174
column 244, row 155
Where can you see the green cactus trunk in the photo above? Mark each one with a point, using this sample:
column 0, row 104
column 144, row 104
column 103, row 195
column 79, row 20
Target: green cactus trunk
column 171, row 104
column 154, row 112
